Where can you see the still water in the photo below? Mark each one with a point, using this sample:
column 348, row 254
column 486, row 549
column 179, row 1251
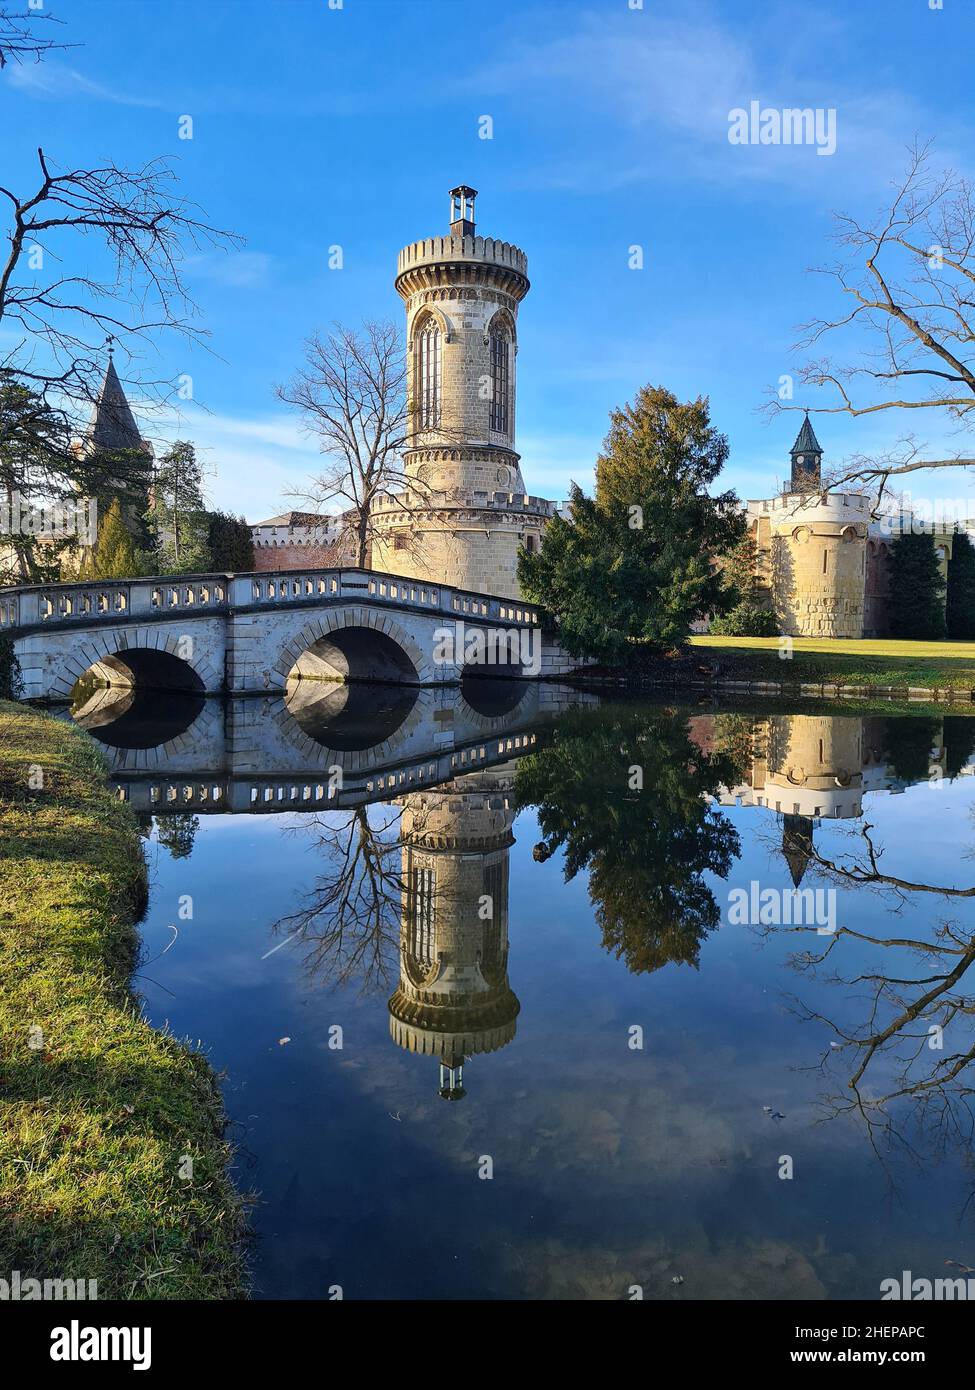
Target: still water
column 513, row 995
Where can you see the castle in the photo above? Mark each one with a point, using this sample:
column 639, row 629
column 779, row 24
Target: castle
column 464, row 513
column 821, row 557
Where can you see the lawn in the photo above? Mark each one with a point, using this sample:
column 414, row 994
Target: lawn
column 858, row 662
column 113, row 1161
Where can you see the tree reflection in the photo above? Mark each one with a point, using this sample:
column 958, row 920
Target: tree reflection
column 177, row 833
column 909, row 1046
column 350, row 920
column 624, row 794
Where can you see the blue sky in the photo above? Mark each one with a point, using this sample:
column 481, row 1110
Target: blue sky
column 315, row 127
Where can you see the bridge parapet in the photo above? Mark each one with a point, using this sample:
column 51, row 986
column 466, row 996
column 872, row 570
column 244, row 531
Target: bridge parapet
column 56, row 604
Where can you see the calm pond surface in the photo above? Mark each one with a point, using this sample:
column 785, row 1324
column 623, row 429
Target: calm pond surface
column 513, row 996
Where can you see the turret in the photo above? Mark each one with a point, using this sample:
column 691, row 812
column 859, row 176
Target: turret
column 807, row 460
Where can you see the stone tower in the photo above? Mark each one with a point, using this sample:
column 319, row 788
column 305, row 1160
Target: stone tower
column 453, row 1000
column 464, row 512
column 818, row 550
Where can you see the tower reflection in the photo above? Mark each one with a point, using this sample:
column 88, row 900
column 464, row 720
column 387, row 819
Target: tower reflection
column 453, row 1001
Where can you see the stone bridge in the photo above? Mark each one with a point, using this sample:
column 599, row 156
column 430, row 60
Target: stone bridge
column 216, row 633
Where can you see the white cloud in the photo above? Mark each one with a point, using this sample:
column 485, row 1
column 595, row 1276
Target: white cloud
column 238, row 270
column 57, row 82
column 657, row 91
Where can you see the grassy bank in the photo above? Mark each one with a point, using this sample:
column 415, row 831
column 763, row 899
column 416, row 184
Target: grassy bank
column 100, row 1111
column 866, row 663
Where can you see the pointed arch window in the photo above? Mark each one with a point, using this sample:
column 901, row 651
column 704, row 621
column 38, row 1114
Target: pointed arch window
column 500, row 379
column 426, row 374
column 421, row 915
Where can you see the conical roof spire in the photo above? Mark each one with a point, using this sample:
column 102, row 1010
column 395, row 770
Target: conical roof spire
column 806, row 441
column 112, row 426
column 807, row 458
column 797, row 845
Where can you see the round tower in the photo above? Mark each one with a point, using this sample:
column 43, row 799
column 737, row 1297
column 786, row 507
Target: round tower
column 453, row 1000
column 464, row 512
column 818, row 543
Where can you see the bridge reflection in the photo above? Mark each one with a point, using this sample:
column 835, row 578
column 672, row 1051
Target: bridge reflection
column 320, row 746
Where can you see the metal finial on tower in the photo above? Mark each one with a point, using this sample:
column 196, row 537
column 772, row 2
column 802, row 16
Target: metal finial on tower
column 462, row 210
column 110, row 344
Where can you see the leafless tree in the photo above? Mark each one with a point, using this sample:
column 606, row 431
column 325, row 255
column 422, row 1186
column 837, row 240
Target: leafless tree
column 142, row 227
column 909, row 278
column 20, row 40
column 351, row 393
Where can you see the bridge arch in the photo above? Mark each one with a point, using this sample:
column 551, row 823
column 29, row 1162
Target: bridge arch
column 140, row 658
column 359, row 644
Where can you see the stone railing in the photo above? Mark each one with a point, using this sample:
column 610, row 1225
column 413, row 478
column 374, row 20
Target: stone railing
column 203, row 594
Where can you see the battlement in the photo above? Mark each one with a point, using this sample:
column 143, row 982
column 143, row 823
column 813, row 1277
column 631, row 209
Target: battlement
column 799, row 503
column 451, row 249
column 435, row 498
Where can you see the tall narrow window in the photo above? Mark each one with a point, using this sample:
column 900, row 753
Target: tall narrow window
column 421, row 915
column 426, row 374
column 499, row 381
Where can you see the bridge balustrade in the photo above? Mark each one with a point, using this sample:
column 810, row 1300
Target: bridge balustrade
column 25, row 607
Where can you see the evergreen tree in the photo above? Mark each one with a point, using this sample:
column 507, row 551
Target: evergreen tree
column 636, row 563
column 123, row 476
column 113, row 556
column 960, row 602
column 230, row 543
column 177, row 517
column 37, row 468
column 744, row 615
column 916, row 597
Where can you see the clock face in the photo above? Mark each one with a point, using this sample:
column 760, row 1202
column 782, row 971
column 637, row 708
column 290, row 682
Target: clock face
column 801, row 460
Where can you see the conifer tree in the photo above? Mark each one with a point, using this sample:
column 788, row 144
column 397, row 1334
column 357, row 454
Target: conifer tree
column 230, row 543
column 960, row 603
column 636, row 564
column 916, row 597
column 177, row 519
column 113, row 556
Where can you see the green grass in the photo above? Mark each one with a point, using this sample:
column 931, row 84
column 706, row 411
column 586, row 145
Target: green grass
column 864, row 662
column 96, row 1121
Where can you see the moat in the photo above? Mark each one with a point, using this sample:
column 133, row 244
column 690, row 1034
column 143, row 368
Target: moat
column 492, row 1021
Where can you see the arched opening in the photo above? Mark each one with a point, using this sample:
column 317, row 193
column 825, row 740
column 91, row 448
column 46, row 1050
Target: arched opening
column 494, row 654
column 489, row 697
column 426, row 372
column 124, row 717
column 139, row 668
column 346, row 719
column 355, row 654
